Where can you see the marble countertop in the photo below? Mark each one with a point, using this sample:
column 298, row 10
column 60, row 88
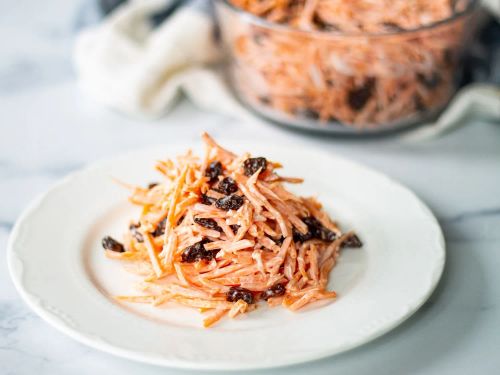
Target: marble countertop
column 49, row 129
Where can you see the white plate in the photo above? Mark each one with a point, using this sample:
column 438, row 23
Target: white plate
column 56, row 262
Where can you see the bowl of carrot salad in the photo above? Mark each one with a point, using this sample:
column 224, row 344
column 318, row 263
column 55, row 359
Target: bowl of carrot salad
column 345, row 65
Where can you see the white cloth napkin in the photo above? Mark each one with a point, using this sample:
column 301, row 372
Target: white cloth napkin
column 129, row 66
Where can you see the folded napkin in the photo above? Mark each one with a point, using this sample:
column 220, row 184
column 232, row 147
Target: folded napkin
column 129, row 65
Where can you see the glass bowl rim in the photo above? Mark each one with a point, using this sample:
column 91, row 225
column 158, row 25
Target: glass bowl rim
column 262, row 22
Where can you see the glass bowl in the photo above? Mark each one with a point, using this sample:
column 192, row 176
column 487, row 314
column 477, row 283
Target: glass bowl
column 338, row 82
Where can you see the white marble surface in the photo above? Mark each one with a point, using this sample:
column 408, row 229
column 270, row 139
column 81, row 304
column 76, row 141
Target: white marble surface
column 48, row 129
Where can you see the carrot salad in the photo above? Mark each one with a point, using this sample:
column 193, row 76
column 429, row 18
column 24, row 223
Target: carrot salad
column 361, row 63
column 223, row 233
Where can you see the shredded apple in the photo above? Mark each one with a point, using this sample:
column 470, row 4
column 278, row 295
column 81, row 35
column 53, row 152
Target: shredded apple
column 223, row 233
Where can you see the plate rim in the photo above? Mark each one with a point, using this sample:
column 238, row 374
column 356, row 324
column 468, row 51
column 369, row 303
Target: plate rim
column 149, row 358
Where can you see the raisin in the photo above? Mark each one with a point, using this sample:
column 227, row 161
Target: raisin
column 208, row 223
column 227, row 186
column 109, row 243
column 358, row 97
column 274, row 291
column 160, row 228
column 352, row 241
column 301, row 237
column 193, row 253
column 205, row 199
column 230, row 202
column 236, row 293
column 318, row 230
column 205, row 240
column 430, row 81
column 198, row 252
column 135, row 233
column 213, row 171
column 234, row 228
column 314, row 230
column 152, row 185
column 252, row 165
column 208, row 255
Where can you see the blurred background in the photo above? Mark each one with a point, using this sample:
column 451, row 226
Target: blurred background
column 82, row 80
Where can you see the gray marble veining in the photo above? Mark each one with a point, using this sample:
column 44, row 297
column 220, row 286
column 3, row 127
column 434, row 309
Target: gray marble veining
column 48, row 129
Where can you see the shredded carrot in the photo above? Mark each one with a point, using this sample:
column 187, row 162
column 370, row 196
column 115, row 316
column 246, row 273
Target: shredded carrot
column 362, row 63
column 214, row 317
column 152, row 254
column 195, row 251
column 239, row 306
